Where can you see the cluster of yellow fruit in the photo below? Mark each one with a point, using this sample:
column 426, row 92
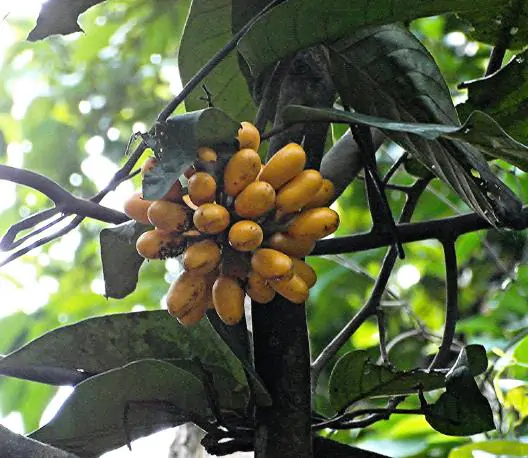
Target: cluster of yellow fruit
column 241, row 227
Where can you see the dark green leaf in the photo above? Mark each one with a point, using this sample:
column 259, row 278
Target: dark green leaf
column 142, row 397
column 506, row 23
column 176, row 143
column 69, row 354
column 60, row 17
column 121, row 261
column 386, row 72
column 297, row 24
column 208, row 28
column 504, row 95
column 461, row 410
column 355, row 377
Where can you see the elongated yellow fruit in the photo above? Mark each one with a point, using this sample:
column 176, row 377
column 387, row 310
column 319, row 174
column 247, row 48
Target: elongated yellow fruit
column 193, row 316
column 314, row 224
column 324, row 196
column 202, row 257
column 137, row 208
column 186, row 293
column 248, row 136
column 245, row 236
column 299, row 191
column 255, row 200
column 292, row 247
column 286, row 163
column 207, row 155
column 271, row 264
column 242, row 169
column 211, row 218
column 159, row 245
column 228, row 299
column 202, row 188
column 305, row 271
column 169, row 216
column 293, row 289
column 259, row 289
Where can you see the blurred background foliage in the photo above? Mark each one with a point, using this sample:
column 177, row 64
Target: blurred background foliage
column 67, row 108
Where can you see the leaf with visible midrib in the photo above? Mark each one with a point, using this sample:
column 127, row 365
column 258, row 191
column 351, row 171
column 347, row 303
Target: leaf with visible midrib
column 142, row 397
column 207, row 30
column 298, row 24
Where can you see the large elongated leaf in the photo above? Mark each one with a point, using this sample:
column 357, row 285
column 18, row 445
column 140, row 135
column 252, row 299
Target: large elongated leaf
column 462, row 410
column 207, row 29
column 297, row 24
column 176, row 142
column 140, row 398
column 385, row 71
column 355, row 377
column 69, row 354
column 504, row 95
column 480, row 130
column 121, row 261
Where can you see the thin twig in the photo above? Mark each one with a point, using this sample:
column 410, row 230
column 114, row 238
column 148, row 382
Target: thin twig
column 369, row 308
column 451, row 313
column 394, row 168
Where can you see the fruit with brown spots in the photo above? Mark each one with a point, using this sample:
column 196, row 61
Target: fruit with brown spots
column 202, row 188
column 241, row 170
column 285, row 164
column 257, row 199
column 211, row 218
column 324, row 196
column 305, row 271
column 228, row 299
column 202, row 257
column 299, row 191
column 259, row 289
column 156, row 244
column 169, row 216
column 186, row 293
column 294, row 289
column 245, row 235
column 137, row 208
column 248, row 136
column 292, row 247
column 314, row 224
column 272, row 264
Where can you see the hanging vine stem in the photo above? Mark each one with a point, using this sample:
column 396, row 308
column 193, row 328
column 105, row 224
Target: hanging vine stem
column 451, row 313
column 372, row 303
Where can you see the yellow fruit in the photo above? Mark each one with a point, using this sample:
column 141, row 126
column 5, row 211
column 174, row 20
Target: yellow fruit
column 202, row 257
column 242, row 169
column 299, row 191
column 293, row 289
column 324, row 196
column 159, row 245
column 292, row 247
column 206, row 154
column 314, row 224
column 259, row 289
column 186, row 293
column 148, row 165
column 228, row 299
column 202, row 188
column 286, row 163
column 245, row 236
column 175, row 193
column 137, row 208
column 248, row 136
column 193, row 316
column 305, row 271
column 210, row 278
column 271, row 264
column 255, row 200
column 211, row 218
column 169, row 216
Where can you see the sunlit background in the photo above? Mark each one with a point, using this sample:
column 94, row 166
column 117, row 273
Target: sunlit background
column 99, row 88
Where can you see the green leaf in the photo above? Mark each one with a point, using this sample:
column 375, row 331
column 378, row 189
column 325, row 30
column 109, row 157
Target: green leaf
column 504, row 95
column 505, row 23
column 355, row 377
column 59, row 17
column 495, row 447
column 71, row 353
column 121, row 261
column 461, row 410
column 520, row 352
column 386, row 72
column 142, row 397
column 207, row 30
column 176, row 142
column 298, row 24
